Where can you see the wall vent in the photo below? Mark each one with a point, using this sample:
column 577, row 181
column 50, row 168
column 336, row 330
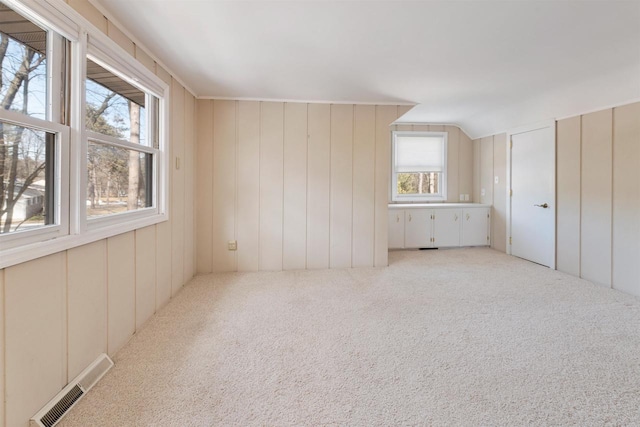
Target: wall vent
column 57, row 407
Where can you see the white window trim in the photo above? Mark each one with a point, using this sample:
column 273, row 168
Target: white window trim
column 61, row 168
column 409, row 198
column 63, row 19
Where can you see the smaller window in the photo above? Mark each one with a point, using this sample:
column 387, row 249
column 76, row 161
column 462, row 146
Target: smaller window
column 120, row 152
column 419, row 166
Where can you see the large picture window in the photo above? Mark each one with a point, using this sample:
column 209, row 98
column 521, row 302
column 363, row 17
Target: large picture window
column 419, row 166
column 33, row 136
column 82, row 134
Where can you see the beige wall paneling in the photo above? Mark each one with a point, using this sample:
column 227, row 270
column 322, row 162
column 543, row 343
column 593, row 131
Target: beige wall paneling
column 145, row 274
column 385, row 115
column 35, row 319
column 189, row 187
column 499, row 215
column 163, row 74
column 341, row 201
column 295, row 187
column 465, row 165
column 596, row 197
column 568, row 195
column 93, row 15
column 224, row 185
column 453, row 163
column 271, row 184
column 163, row 263
column 486, row 170
column 120, row 38
column 476, row 171
column 144, row 58
column 204, row 187
column 178, row 190
column 626, row 198
column 87, row 305
column 318, row 185
column 248, row 193
column 364, row 157
column 121, row 274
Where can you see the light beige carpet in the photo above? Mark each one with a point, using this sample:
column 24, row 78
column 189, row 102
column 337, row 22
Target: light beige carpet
column 459, row 337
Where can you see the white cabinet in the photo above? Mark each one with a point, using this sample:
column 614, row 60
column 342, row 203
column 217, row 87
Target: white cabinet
column 417, row 228
column 396, row 229
column 446, row 227
column 438, row 226
column 475, row 227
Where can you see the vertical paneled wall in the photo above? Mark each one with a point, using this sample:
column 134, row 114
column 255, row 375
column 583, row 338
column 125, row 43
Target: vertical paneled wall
column 489, row 166
column 296, row 185
column 597, row 195
column 59, row 312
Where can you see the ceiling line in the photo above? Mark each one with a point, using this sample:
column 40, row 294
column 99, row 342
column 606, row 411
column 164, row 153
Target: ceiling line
column 137, row 42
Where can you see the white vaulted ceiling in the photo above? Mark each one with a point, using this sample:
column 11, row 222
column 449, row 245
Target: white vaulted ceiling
column 485, row 65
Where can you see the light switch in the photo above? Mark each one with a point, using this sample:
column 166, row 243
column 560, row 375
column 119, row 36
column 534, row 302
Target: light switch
column 462, row 197
column 483, row 192
column 233, row 245
column 466, row 197
column 496, row 180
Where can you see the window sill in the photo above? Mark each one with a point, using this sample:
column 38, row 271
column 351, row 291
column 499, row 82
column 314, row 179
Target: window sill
column 21, row 254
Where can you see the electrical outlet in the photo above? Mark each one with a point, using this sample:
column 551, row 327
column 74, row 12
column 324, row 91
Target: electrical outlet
column 233, row 245
column 466, row 197
column 483, row 192
column 462, row 197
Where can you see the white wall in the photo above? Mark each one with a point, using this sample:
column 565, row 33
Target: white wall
column 59, row 312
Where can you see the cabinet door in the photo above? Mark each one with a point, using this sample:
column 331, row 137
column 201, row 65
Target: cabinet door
column 446, row 227
column 396, row 229
column 475, row 227
column 417, row 228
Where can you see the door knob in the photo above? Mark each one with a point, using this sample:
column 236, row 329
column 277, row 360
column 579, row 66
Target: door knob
column 544, row 206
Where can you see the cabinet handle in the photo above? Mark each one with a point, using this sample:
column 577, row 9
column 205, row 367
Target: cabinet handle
column 455, row 217
column 397, row 218
column 409, row 217
column 467, row 217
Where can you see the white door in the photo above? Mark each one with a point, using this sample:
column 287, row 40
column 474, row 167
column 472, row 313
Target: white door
column 533, row 208
column 475, row 227
column 396, row 229
column 417, row 228
column 446, row 227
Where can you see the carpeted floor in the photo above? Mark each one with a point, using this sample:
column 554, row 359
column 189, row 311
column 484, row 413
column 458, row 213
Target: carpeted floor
column 459, row 337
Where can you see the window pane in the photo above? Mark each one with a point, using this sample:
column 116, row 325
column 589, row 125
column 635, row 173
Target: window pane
column 27, row 171
column 119, row 180
column 418, row 183
column 114, row 107
column 23, row 47
column 419, row 153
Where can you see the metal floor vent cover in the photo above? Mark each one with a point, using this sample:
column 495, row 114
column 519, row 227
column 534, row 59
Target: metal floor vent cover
column 57, row 407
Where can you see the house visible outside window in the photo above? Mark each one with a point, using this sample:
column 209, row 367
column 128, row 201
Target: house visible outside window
column 419, row 166
column 83, row 134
